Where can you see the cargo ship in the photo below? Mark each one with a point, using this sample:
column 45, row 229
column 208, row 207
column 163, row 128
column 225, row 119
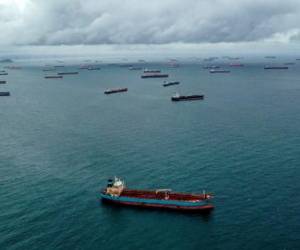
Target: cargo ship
column 154, row 75
column 213, row 71
column 53, row 77
column 116, row 192
column 3, row 73
column 4, row 93
column 68, row 73
column 177, row 97
column 167, row 84
column 276, row 67
column 2, row 82
column 152, row 71
column 211, row 67
column 46, row 70
column 93, row 68
column 113, row 91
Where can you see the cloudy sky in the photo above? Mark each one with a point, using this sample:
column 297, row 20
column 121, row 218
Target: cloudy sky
column 176, row 23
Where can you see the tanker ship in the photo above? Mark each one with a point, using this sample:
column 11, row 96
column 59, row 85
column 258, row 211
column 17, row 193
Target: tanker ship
column 116, row 192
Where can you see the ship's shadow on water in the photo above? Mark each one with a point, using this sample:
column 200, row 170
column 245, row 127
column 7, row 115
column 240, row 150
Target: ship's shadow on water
column 114, row 209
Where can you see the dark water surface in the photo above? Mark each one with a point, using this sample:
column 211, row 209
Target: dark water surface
column 61, row 140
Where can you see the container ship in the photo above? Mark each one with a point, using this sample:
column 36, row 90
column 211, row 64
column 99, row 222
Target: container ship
column 113, row 91
column 116, row 192
column 2, row 82
column 276, row 67
column 177, row 97
column 167, row 84
column 154, row 75
column 3, row 73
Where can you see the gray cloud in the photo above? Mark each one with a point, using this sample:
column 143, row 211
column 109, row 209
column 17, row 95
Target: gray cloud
column 43, row 22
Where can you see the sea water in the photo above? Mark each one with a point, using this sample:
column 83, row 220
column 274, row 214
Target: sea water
column 61, row 139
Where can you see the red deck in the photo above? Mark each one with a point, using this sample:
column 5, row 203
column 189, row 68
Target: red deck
column 152, row 194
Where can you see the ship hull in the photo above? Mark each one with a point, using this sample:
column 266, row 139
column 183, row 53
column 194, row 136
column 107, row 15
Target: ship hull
column 182, row 205
column 155, row 76
column 187, row 98
column 114, row 91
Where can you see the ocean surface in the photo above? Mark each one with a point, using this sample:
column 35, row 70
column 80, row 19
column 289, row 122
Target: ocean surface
column 62, row 139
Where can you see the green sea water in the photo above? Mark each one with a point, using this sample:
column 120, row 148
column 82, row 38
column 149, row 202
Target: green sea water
column 62, row 139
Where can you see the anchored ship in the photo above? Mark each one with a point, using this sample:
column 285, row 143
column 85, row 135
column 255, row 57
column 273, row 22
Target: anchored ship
column 154, row 75
column 177, row 97
column 53, row 77
column 219, row 71
column 276, row 67
column 68, row 73
column 4, row 93
column 211, row 67
column 113, row 91
column 152, row 71
column 116, row 192
column 167, row 84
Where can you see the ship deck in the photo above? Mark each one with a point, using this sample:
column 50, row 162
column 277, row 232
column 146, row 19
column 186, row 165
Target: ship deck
column 153, row 194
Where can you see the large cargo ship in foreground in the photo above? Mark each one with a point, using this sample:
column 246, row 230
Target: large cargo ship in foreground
column 117, row 193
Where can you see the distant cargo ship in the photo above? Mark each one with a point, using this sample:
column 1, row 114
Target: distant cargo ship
column 53, row 77
column 117, row 193
column 213, row 71
column 3, row 73
column 152, row 71
column 167, row 84
column 93, row 68
column 68, row 73
column 270, row 57
column 48, row 70
column 177, row 97
column 4, row 93
column 276, row 67
column 113, row 91
column 2, row 82
column 155, row 75
column 211, row 67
